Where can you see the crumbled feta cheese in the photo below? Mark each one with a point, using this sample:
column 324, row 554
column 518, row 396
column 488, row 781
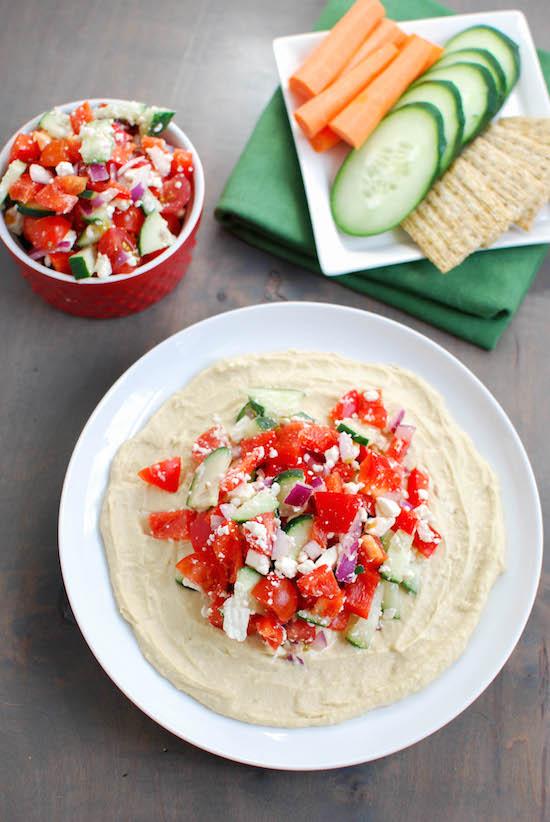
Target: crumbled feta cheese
column 302, row 556
column 312, row 549
column 378, row 526
column 424, row 532
column 332, row 456
column 103, row 267
column 258, row 561
column 165, row 235
column 63, row 169
column 371, row 395
column 275, row 488
column 328, row 557
column 286, row 566
column 273, row 453
column 235, row 619
column 386, row 507
column 256, row 532
column 14, row 220
column 188, row 584
column 243, row 491
column 39, row 174
column 422, row 511
column 422, row 493
column 136, row 175
column 161, row 160
column 353, row 487
column 348, row 448
column 363, row 514
column 306, row 566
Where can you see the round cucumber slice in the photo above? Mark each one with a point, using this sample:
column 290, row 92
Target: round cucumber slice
column 503, row 49
column 480, row 57
column 478, row 94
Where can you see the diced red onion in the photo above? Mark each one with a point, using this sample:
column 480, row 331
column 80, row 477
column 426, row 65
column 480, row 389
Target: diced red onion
column 298, row 495
column 137, row 192
column 397, row 420
column 405, row 432
column 86, row 206
column 316, row 482
column 406, row 505
column 64, row 245
column 97, row 202
column 97, row 172
column 320, row 642
column 37, row 253
column 297, row 660
column 130, row 164
column 345, row 570
column 283, row 545
column 122, row 258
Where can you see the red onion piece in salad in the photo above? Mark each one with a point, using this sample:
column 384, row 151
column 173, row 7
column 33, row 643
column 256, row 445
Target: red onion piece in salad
column 345, row 570
column 98, row 173
column 137, row 192
column 283, row 545
column 96, row 202
column 320, row 642
column 316, row 483
column 130, row 164
column 397, row 420
column 85, row 206
column 297, row 660
column 298, row 495
column 37, row 253
column 405, row 432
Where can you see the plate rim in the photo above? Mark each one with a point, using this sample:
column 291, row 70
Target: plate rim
column 255, row 760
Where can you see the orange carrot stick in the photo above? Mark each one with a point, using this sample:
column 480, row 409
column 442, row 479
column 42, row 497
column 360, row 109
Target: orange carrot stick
column 316, row 113
column 360, row 117
column 436, row 53
column 385, row 32
column 331, row 55
column 324, row 140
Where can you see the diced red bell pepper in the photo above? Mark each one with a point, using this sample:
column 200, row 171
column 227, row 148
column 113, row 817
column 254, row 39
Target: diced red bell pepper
column 336, row 511
column 182, row 163
column 278, row 595
column 379, row 475
column 165, row 474
column 417, row 487
column 340, row 621
column 298, row 630
column 200, row 528
column 318, row 535
column 53, row 198
column 207, row 442
column 215, row 612
column 290, row 450
column 268, row 628
column 60, row 261
column 82, row 114
column 71, row 184
column 359, row 594
column 427, row 548
column 45, row 232
column 171, row 524
column 346, row 406
column 25, row 148
column 24, row 190
column 329, row 606
column 259, row 446
column 344, row 470
column 371, row 551
column 372, row 412
column 320, row 582
column 318, row 438
column 59, row 151
column 262, row 542
column 406, row 521
column 210, row 576
column 228, row 548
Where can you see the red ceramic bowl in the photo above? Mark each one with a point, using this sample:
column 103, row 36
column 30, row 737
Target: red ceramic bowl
column 120, row 294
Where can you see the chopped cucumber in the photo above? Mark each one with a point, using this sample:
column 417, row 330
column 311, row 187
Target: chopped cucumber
column 358, row 432
column 34, row 210
column 99, row 215
column 483, row 58
column 360, row 632
column 503, row 49
column 299, row 529
column 261, row 503
column 154, row 234
column 247, row 578
column 251, row 409
column 128, row 110
column 413, row 577
column 205, row 488
column 445, row 97
column 277, row 402
column 314, row 619
column 287, row 480
column 98, row 141
column 400, row 557
column 391, row 600
column 478, row 94
column 380, row 183
column 83, row 263
column 154, row 120
column 183, row 551
column 251, row 426
column 13, row 172
column 56, row 123
column 92, row 233
column 87, row 194
column 149, row 202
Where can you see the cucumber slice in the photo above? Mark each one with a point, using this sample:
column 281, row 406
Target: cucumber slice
column 87, row 194
column 277, row 402
column 480, row 57
column 99, row 215
column 357, row 431
column 92, row 233
column 13, row 172
column 445, row 97
column 251, row 426
column 391, row 599
column 128, row 110
column 34, row 210
column 153, row 120
column 314, row 619
column 251, row 409
column 154, row 234
column 412, row 579
column 83, row 263
column 503, row 49
column 478, row 94
column 287, row 480
column 360, row 632
column 247, row 578
column 299, row 529
column 261, row 503
column 400, row 558
column 384, row 180
column 205, row 488
column 97, row 141
column 56, row 123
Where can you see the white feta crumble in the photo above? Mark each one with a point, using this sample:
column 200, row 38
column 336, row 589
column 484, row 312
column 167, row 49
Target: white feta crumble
column 363, row 514
column 64, row 168
column 422, row 511
column 273, row 453
column 424, row 532
column 258, row 561
column 353, row 487
column 243, row 491
column 371, row 395
column 422, row 493
column 188, row 584
column 286, row 566
column 378, row 526
column 312, row 549
column 235, row 619
column 161, row 160
column 386, row 507
column 306, row 566
column 137, row 174
column 39, row 174
column 257, row 533
column 328, row 557
column 332, row 456
column 103, row 267
column 348, row 448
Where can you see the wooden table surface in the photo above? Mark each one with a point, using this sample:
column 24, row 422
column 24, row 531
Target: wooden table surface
column 72, row 746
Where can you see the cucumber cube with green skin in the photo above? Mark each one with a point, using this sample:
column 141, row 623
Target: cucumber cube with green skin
column 357, row 431
column 154, row 120
column 83, row 262
column 13, row 172
column 30, row 210
column 251, row 409
column 56, row 123
column 87, row 194
column 92, row 233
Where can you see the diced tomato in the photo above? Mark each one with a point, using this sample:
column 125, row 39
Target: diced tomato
column 346, row 471
column 298, row 630
column 165, row 474
column 319, row 583
column 318, row 535
column 117, row 244
column 215, row 612
column 82, row 114
column 336, row 511
column 371, row 551
column 264, row 542
column 171, row 524
column 207, row 442
column 318, row 438
column 24, row 189
column 227, row 545
column 406, row 521
column 182, row 163
column 200, row 529
column 174, row 224
column 103, row 185
column 60, row 261
column 268, row 628
column 208, row 575
column 329, row 606
column 278, row 595
column 71, row 183
column 59, row 151
column 373, row 412
column 417, row 487
column 378, row 474
column 53, row 198
column 359, row 594
column 25, row 148
column 334, row 483
column 123, row 151
column 427, row 548
column 130, row 220
column 340, row 621
column 259, row 445
column 45, row 232
column 290, row 451
column 147, row 141
column 239, row 473
column 400, row 442
column 346, row 406
column 175, row 194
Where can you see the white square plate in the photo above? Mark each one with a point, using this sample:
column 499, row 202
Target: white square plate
column 341, row 254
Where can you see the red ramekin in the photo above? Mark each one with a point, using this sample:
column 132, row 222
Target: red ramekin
column 120, row 294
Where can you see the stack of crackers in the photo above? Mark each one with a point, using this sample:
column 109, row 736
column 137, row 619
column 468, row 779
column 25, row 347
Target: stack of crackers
column 501, row 179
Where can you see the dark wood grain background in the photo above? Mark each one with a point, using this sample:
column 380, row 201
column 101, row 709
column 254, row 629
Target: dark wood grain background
column 72, row 746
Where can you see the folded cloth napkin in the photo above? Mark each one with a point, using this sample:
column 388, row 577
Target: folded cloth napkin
column 264, row 203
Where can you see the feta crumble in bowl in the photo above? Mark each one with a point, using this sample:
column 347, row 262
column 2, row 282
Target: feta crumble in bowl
column 97, row 288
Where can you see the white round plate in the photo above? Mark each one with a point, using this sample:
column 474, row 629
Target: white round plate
column 314, row 327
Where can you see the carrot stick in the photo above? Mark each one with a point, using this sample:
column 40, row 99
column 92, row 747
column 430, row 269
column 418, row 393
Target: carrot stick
column 331, row 55
column 324, row 140
column 385, row 32
column 360, row 117
column 436, row 53
column 314, row 115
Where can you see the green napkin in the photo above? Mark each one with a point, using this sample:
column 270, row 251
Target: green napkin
column 264, row 203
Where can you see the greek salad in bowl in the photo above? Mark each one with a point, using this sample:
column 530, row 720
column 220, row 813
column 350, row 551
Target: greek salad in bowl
column 97, row 190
